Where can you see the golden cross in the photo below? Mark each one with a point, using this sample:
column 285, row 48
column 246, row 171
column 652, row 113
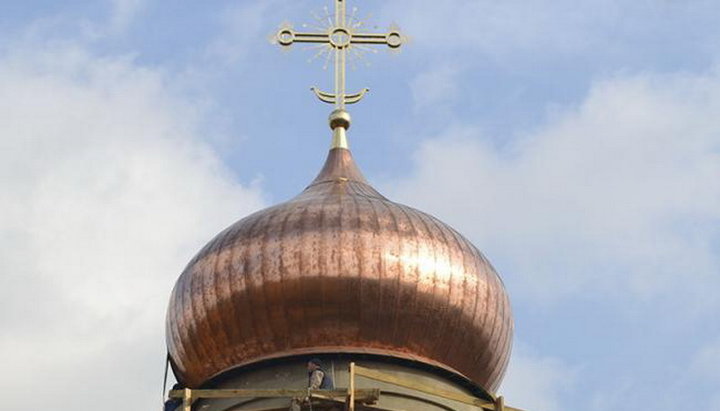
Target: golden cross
column 340, row 36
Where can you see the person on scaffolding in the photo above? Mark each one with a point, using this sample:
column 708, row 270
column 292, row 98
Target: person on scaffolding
column 318, row 379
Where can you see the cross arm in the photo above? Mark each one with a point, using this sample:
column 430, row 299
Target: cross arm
column 287, row 37
column 393, row 39
column 312, row 37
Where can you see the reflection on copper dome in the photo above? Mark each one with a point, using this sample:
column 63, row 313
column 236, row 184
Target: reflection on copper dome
column 339, row 268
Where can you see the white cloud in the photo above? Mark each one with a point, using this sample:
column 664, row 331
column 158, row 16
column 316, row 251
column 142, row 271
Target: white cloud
column 108, row 189
column 436, row 86
column 620, row 194
column 536, row 383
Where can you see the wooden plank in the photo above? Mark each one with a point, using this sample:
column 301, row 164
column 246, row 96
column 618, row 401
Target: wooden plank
column 391, row 379
column 364, row 395
column 500, row 404
column 449, row 395
column 254, row 393
column 351, row 388
column 187, row 399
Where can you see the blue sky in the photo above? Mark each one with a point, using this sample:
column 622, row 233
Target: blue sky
column 577, row 144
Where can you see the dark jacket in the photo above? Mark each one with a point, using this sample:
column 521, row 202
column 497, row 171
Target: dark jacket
column 173, row 403
column 326, row 382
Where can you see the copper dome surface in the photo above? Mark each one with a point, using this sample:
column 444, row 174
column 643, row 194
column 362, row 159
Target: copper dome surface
column 339, row 268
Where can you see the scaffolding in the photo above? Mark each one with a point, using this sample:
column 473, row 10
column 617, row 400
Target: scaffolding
column 350, row 399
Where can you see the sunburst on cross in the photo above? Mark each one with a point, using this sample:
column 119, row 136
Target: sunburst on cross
column 341, row 35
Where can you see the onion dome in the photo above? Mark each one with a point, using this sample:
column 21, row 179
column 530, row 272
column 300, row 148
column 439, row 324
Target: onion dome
column 339, row 269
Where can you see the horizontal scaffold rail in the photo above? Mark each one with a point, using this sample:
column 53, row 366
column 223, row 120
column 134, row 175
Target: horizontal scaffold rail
column 364, row 395
column 497, row 403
